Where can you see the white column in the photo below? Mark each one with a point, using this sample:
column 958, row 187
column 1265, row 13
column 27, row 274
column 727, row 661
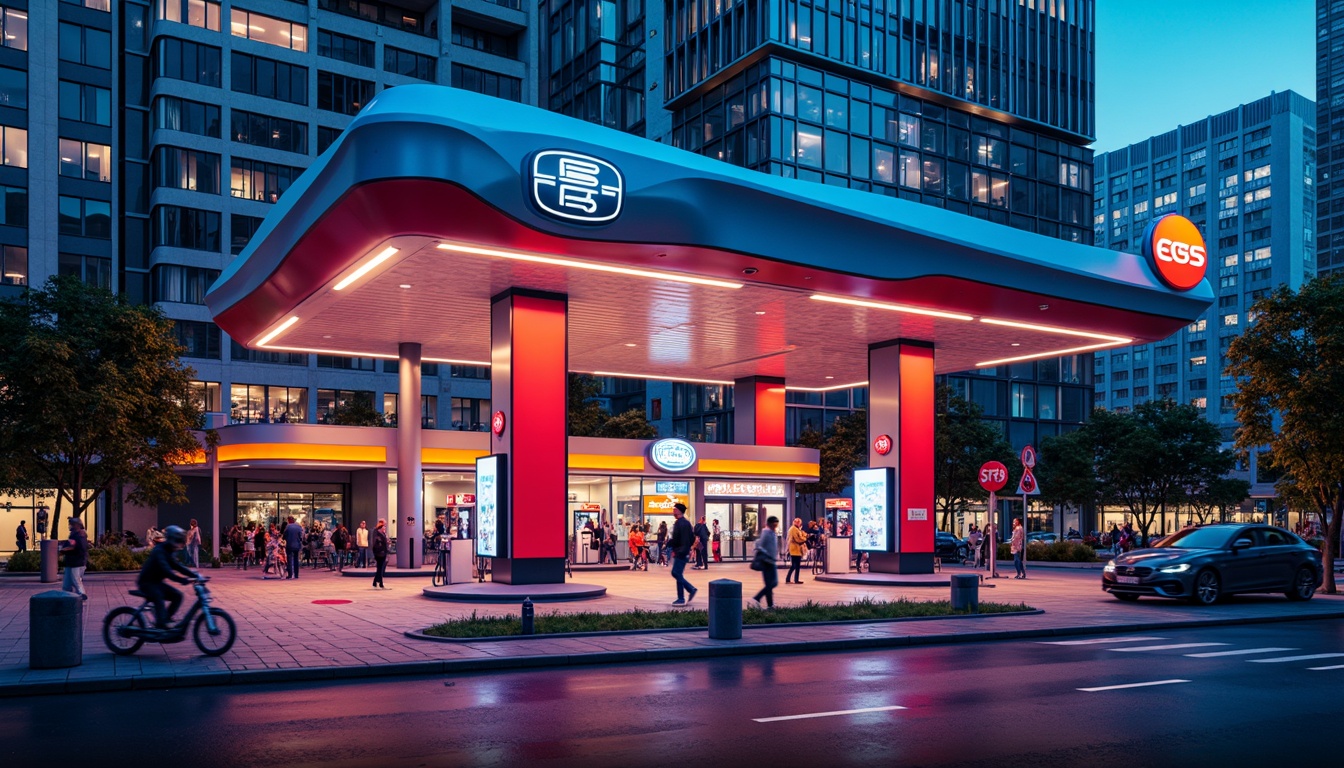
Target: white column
column 410, row 509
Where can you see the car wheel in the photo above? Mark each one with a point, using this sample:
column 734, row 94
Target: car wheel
column 1127, row 597
column 1303, row 586
column 1208, row 588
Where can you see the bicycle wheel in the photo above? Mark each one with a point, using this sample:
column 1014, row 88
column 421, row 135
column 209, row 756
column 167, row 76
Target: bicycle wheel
column 439, row 576
column 220, row 642
column 117, row 620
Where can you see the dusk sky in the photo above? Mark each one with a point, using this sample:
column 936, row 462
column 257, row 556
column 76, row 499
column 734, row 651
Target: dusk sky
column 1162, row 63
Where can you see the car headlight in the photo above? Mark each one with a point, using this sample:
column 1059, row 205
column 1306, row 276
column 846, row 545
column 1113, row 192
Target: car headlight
column 1182, row 568
column 1110, row 567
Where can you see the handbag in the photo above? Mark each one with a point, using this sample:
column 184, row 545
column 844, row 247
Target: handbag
column 758, row 561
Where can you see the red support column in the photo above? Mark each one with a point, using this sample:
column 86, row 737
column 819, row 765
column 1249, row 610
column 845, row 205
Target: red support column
column 528, row 379
column 758, row 411
column 900, row 407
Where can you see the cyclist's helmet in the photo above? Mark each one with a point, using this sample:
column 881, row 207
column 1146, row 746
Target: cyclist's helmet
column 175, row 536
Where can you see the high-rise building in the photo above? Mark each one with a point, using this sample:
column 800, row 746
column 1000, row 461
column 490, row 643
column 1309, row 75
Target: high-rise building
column 1330, row 136
column 1246, row 179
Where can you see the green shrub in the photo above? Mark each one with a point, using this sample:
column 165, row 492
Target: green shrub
column 24, row 562
column 116, row 559
column 1059, row 552
column 225, row 556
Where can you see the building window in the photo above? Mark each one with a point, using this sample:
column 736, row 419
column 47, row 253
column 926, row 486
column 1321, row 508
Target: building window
column 93, row 270
column 353, row 50
column 339, row 93
column 482, row 40
column 179, row 227
column 181, row 284
column 97, row 5
column 326, row 137
column 329, row 400
column 408, row 63
column 339, row 363
column 241, row 230
column 263, row 404
column 429, row 408
column 239, row 352
column 13, row 88
column 13, row 265
column 14, row 28
column 85, row 45
column 85, row 103
column 267, row 131
column 13, row 146
column 14, row 206
column 488, row 83
column 174, row 114
column 85, row 160
column 199, row 339
column 470, row 414
column 269, row 30
column 469, row 371
column 269, row 79
column 196, row 13
column 385, row 14
column 206, row 393
column 185, row 60
column 263, row 182
column 86, row 218
column 186, row 169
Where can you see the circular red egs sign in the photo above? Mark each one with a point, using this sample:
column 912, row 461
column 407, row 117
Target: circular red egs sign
column 882, row 445
column 1175, row 249
column 993, row 476
column 497, row 423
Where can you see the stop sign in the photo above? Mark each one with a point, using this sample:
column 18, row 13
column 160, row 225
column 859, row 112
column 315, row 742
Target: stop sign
column 993, row 476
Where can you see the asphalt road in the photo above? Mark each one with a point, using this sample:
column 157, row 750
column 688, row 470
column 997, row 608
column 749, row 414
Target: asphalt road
column 1219, row 697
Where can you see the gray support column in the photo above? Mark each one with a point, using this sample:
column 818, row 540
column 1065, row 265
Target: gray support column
column 410, row 508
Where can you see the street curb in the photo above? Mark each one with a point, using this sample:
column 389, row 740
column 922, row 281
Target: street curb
column 719, row 648
column 422, row 635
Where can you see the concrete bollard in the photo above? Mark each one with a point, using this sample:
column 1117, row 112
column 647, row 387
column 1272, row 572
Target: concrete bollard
column 725, row 610
column 55, row 630
column 529, row 616
column 966, row 593
column 49, row 550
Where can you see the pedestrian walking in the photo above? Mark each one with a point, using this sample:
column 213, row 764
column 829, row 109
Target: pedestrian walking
column 797, row 546
column 194, row 545
column 717, row 542
column 1017, row 547
column 293, row 537
column 379, row 545
column 683, row 538
column 974, row 538
column 362, row 542
column 340, row 544
column 701, row 545
column 76, row 551
column 662, row 543
column 21, row 536
column 236, row 542
column 767, row 562
column 608, row 548
column 250, row 546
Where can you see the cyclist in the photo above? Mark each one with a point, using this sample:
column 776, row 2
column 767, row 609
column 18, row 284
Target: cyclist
column 159, row 568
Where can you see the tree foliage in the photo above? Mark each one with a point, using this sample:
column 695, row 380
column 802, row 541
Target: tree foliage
column 630, row 425
column 1289, row 365
column 94, row 394
column 587, row 417
column 843, row 447
column 357, row 412
column 963, row 442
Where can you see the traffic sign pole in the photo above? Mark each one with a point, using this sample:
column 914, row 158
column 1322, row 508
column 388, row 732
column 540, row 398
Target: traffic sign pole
column 993, row 526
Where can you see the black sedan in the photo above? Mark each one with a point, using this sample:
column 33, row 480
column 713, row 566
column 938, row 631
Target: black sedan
column 948, row 547
column 1206, row 563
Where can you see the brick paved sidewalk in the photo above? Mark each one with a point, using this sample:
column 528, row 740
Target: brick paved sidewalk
column 282, row 632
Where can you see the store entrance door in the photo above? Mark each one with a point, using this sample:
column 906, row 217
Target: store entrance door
column 741, row 522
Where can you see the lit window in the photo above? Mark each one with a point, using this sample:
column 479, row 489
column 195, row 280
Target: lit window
column 1198, row 325
column 1255, row 174
column 1230, row 319
column 1256, row 196
column 265, row 29
column 195, row 13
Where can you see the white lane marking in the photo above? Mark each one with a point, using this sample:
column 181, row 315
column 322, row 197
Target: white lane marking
column 1282, row 659
column 1132, row 685
column 1240, row 652
column 825, row 714
column 1321, row 669
column 1174, row 647
column 1099, row 640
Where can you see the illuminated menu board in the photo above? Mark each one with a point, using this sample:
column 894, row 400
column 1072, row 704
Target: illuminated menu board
column 491, row 504
column 874, row 498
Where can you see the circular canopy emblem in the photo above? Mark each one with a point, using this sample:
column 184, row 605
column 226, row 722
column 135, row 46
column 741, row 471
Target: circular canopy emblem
column 497, row 423
column 882, row 445
column 993, row 476
column 672, row 455
column 1175, row 248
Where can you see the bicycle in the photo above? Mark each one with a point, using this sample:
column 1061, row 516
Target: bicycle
column 440, row 576
column 125, row 629
column 819, row 561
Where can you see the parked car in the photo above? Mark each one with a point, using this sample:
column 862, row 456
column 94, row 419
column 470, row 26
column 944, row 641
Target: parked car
column 1204, row 564
column 949, row 547
column 1044, row 538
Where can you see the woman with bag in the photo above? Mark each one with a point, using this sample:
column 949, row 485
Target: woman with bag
column 765, row 559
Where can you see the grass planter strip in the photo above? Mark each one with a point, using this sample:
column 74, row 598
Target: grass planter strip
column 639, row 621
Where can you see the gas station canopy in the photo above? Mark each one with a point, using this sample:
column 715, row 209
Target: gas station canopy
column 676, row 266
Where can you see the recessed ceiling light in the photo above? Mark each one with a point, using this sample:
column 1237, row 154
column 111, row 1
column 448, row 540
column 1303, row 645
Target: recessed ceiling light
column 405, row 285
column 830, row 377
column 631, row 345
column 1044, row 307
column 326, row 336
column 760, row 312
column 1015, row 344
column 750, row 271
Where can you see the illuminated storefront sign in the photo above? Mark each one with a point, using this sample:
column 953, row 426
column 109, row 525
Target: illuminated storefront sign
column 874, row 497
column 839, row 503
column 576, row 188
column 1175, row 248
column 662, row 504
column 490, row 509
column 672, row 486
column 672, row 455
column 745, row 489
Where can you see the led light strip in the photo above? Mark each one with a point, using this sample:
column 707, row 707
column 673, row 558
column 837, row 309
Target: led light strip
column 281, row 329
column 891, row 307
column 560, row 262
column 657, row 377
column 1055, row 353
column 367, row 267
column 374, row 355
column 1053, row 329
column 827, row 389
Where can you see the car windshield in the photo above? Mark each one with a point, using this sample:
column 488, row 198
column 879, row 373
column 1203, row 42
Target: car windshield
column 1198, row 538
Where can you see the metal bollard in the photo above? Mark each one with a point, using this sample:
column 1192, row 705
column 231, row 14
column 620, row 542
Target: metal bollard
column 529, row 615
column 725, row 609
column 55, row 630
column 966, row 593
column 49, row 549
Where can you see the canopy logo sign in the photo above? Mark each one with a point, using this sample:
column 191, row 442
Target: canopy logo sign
column 1175, row 248
column 576, row 188
column 672, row 455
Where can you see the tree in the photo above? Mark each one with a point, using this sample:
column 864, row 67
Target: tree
column 585, row 411
column 1066, row 470
column 1217, row 494
column 843, row 448
column 357, row 412
column 94, row 394
column 962, row 443
column 1289, row 366
column 630, row 425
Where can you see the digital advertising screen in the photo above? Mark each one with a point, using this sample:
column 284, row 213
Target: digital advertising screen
column 491, row 501
column 874, row 497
